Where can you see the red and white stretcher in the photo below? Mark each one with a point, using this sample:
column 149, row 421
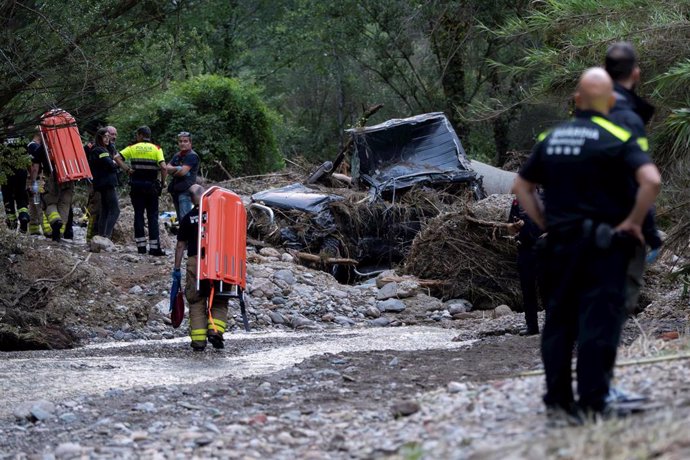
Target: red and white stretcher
column 222, row 257
column 62, row 142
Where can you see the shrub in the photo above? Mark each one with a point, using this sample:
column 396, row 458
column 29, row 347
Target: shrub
column 228, row 120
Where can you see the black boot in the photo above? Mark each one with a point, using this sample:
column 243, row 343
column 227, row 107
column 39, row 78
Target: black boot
column 23, row 224
column 56, row 227
column 216, row 340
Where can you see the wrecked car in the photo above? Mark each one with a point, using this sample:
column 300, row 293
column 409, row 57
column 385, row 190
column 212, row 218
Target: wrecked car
column 403, row 173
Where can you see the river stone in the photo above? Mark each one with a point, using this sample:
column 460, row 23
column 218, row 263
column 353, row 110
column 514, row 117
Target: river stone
column 502, row 310
column 456, row 387
column 382, row 276
column 380, row 322
column 393, row 305
column 299, row 322
column 145, row 407
column 279, row 301
column 68, row 450
column 136, row 289
column 99, row 243
column 388, row 291
column 42, row 410
column 276, row 317
column 407, row 288
column 456, row 308
column 263, row 288
column 344, row 320
column 405, row 408
column 423, row 302
column 265, row 388
column 339, row 294
column 68, row 417
column 372, row 312
column 285, row 275
column 34, row 410
column 287, row 258
column 130, row 258
column 269, row 252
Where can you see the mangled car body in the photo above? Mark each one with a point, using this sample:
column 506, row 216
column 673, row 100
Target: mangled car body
column 403, row 173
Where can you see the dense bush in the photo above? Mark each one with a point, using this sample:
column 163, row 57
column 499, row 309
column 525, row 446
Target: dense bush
column 228, row 120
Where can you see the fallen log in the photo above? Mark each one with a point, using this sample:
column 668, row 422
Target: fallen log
column 325, row 260
column 420, row 282
column 488, row 223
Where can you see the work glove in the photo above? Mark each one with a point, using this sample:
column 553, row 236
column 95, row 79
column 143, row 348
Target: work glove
column 177, row 275
column 34, row 187
column 652, row 255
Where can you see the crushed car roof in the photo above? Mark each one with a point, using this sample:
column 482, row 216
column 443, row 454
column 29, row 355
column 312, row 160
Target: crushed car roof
column 403, row 152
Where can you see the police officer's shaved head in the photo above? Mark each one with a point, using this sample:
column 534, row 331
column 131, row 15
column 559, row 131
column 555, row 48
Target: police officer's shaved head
column 196, row 191
column 595, row 91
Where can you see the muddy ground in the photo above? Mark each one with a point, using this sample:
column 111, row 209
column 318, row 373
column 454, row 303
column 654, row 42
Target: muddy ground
column 284, row 395
column 368, row 370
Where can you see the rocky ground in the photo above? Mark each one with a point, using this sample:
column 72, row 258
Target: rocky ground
column 370, row 370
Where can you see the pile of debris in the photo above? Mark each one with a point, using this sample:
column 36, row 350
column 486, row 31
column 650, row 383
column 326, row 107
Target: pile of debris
column 54, row 295
column 474, row 257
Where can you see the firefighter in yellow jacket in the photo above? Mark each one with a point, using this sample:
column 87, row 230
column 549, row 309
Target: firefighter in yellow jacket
column 56, row 198
column 203, row 324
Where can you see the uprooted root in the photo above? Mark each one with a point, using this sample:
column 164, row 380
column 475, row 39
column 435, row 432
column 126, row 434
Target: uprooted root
column 475, row 258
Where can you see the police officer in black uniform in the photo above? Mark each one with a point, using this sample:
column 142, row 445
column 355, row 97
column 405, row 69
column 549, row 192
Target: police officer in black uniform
column 591, row 218
column 633, row 113
column 528, row 235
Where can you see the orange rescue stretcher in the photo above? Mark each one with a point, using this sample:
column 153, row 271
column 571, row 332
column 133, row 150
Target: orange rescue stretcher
column 222, row 257
column 62, row 143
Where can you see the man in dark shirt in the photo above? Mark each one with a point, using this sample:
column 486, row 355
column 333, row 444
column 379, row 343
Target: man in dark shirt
column 633, row 113
column 201, row 326
column 590, row 217
column 14, row 194
column 527, row 237
column 183, row 168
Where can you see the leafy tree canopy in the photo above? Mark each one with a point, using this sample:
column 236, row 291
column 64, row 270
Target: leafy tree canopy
column 228, row 120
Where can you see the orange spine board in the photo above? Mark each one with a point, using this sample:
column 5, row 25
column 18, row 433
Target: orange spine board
column 222, row 238
column 63, row 144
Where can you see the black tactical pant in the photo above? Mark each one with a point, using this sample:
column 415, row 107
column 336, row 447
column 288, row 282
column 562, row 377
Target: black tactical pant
column 16, row 199
column 585, row 306
column 528, row 268
column 145, row 200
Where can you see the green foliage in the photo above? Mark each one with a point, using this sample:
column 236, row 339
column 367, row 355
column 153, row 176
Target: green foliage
column 82, row 56
column 563, row 37
column 228, row 120
column 479, row 144
column 12, row 157
column 674, row 138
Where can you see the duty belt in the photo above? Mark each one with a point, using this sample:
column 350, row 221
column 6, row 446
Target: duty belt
column 600, row 234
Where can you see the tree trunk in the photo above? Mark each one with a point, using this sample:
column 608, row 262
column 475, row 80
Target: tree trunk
column 451, row 32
